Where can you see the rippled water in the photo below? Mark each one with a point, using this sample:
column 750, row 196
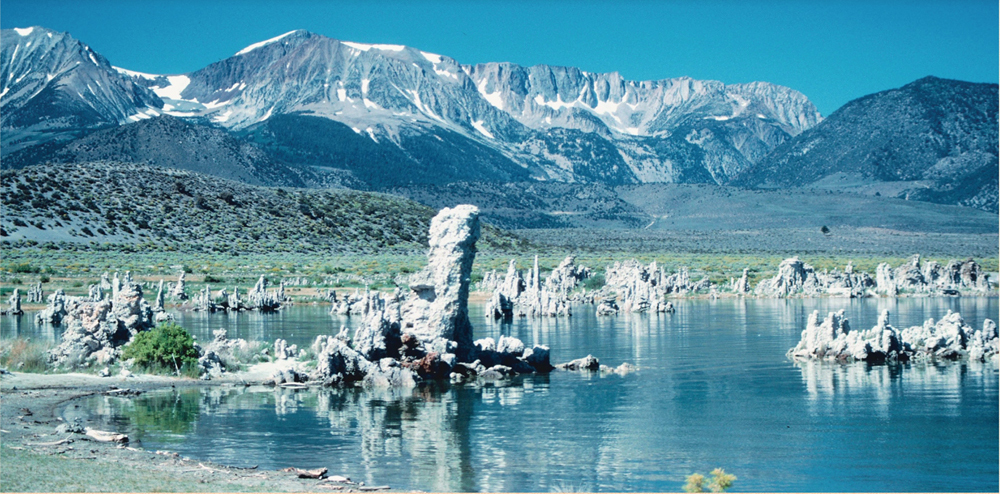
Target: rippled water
column 714, row 390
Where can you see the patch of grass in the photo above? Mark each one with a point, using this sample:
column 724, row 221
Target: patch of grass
column 28, row 471
column 24, row 355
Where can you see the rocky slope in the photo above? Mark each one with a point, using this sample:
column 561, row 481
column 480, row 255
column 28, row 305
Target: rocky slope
column 933, row 140
column 132, row 206
column 173, row 143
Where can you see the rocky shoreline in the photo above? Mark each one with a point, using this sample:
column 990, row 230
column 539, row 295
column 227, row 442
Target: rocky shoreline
column 34, row 431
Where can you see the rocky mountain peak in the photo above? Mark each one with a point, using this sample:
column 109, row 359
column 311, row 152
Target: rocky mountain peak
column 51, row 83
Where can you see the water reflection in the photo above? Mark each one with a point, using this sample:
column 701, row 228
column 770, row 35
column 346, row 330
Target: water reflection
column 714, row 389
column 881, row 385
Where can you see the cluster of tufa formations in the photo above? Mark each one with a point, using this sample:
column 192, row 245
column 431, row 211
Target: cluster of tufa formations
column 258, row 298
column 425, row 334
column 516, row 295
column 631, row 287
column 95, row 330
column 950, row 338
column 403, row 339
column 798, row 278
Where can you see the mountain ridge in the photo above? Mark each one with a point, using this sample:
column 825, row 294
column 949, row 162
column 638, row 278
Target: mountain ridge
column 306, row 110
column 572, row 126
column 936, row 138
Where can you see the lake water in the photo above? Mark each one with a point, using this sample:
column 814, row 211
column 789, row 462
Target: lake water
column 714, row 389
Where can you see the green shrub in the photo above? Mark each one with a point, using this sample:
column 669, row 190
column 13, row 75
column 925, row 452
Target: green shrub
column 25, row 267
column 212, row 279
column 595, row 282
column 167, row 347
column 719, row 483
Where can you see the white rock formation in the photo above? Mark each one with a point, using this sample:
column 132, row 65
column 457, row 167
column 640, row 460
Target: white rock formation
column 179, row 290
column 54, row 312
column 436, row 311
column 15, row 303
column 263, row 300
column 950, row 338
column 35, row 295
column 95, row 331
column 158, row 306
column 796, row 278
column 427, row 334
column 644, row 288
column 515, row 294
column 931, row 277
column 742, row 285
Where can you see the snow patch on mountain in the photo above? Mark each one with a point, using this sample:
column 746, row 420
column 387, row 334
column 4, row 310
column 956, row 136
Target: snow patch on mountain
column 431, row 57
column 177, row 85
column 262, row 43
column 478, row 125
column 366, row 47
column 24, row 31
column 133, row 73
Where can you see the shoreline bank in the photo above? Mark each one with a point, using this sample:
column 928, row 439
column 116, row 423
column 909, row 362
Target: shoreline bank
column 38, row 458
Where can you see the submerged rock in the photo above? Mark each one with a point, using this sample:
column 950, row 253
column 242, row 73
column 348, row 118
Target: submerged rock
column 607, row 307
column 589, row 362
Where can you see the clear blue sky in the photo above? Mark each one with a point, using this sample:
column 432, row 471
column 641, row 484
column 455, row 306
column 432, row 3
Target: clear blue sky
column 831, row 51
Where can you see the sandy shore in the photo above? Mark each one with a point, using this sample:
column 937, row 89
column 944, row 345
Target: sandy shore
column 38, row 458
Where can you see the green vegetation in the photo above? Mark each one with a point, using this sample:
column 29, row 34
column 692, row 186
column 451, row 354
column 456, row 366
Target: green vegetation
column 719, row 483
column 165, row 349
column 24, row 355
column 24, row 267
column 595, row 282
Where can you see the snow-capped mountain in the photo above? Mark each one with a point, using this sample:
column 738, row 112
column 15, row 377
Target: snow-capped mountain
column 54, row 87
column 543, row 122
column 559, row 122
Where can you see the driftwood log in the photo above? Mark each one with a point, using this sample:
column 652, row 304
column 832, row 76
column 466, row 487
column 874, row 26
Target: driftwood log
column 107, row 437
column 317, row 473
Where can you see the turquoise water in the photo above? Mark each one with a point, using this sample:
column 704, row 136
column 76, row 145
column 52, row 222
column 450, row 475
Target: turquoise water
column 714, row 389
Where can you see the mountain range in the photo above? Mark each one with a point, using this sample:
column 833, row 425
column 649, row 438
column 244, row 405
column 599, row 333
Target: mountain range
column 305, row 110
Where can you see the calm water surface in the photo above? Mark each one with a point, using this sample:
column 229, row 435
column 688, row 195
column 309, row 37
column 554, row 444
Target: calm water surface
column 714, row 390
